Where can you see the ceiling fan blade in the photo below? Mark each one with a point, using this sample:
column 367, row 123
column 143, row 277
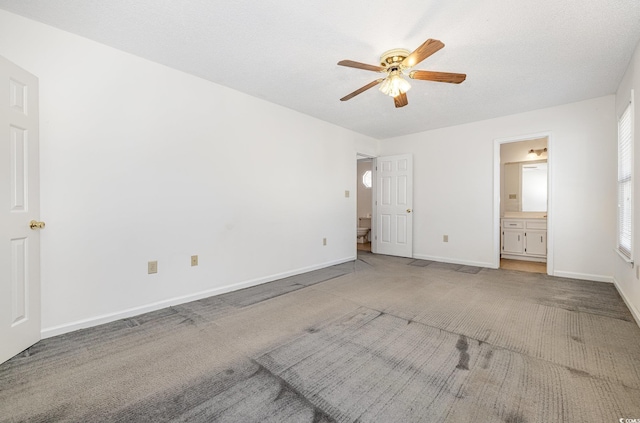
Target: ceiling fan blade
column 358, row 65
column 425, row 50
column 452, row 78
column 361, row 90
column 400, row 100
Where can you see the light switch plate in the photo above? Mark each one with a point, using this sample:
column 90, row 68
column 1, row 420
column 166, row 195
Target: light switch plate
column 346, row 194
column 194, row 260
column 152, row 267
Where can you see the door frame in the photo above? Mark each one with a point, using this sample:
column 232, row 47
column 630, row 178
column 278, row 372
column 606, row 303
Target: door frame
column 361, row 156
column 496, row 194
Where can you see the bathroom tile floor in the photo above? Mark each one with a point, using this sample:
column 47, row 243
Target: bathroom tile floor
column 523, row 266
column 364, row 247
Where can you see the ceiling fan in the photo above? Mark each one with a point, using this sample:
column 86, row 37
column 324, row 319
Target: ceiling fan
column 394, row 63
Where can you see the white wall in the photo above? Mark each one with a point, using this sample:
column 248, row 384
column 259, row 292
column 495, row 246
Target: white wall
column 141, row 162
column 453, row 186
column 626, row 277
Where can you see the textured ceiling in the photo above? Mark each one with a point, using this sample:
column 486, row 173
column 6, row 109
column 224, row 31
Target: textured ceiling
column 518, row 55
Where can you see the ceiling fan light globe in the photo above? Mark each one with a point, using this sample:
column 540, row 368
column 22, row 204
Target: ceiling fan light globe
column 394, row 85
column 385, row 87
column 402, row 84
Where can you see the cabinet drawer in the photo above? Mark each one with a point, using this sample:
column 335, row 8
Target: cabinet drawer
column 537, row 224
column 512, row 224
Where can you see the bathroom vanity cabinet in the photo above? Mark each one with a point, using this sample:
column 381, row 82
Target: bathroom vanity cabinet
column 524, row 239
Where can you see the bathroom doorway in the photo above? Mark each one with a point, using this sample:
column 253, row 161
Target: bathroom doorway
column 364, row 184
column 522, row 181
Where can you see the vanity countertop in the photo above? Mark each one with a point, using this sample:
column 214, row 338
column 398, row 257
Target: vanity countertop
column 525, row 215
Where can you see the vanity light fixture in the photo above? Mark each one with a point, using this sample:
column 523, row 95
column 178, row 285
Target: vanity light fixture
column 536, row 153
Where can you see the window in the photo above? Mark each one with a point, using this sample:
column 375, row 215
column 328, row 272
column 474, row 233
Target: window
column 366, row 179
column 625, row 181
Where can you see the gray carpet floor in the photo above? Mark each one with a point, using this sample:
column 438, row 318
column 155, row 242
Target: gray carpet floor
column 381, row 339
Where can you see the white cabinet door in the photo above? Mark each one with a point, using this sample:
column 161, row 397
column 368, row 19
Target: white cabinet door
column 394, row 205
column 19, row 204
column 536, row 243
column 512, row 241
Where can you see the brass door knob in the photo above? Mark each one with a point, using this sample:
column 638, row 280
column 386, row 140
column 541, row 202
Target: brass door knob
column 34, row 224
column 408, row 210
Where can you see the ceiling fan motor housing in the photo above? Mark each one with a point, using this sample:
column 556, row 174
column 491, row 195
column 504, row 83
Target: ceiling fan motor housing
column 394, row 57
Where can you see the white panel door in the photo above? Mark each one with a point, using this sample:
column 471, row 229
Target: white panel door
column 394, row 205
column 19, row 205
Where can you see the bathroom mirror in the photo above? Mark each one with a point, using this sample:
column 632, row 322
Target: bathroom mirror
column 525, row 186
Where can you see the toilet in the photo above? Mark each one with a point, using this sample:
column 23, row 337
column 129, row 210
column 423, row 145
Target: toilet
column 362, row 235
column 364, row 226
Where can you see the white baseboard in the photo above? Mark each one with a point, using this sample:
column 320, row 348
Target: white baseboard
column 583, row 276
column 632, row 308
column 454, row 261
column 123, row 314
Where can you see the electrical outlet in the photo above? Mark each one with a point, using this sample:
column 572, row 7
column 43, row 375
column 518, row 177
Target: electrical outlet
column 445, row 238
column 194, row 260
column 346, row 194
column 324, row 241
column 152, row 267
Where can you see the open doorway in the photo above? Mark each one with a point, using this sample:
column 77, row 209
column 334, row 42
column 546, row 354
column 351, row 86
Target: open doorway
column 523, row 204
column 364, row 193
